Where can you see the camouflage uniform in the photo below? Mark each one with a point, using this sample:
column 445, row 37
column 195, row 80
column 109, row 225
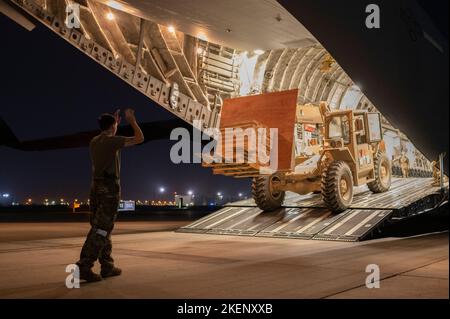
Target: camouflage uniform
column 404, row 165
column 104, row 199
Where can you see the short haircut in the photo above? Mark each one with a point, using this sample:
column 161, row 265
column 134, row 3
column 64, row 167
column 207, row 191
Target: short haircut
column 105, row 121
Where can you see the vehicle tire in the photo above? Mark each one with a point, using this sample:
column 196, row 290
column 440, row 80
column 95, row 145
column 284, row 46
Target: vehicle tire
column 265, row 197
column 382, row 172
column 337, row 186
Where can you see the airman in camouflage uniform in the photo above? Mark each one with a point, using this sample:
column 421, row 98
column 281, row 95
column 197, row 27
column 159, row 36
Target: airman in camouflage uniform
column 404, row 165
column 105, row 195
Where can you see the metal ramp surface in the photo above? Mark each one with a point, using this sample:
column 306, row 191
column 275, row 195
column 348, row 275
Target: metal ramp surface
column 305, row 217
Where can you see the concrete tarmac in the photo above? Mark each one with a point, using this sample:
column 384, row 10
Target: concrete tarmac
column 159, row 263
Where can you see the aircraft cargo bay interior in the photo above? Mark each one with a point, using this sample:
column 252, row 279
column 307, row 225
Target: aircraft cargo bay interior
column 252, row 142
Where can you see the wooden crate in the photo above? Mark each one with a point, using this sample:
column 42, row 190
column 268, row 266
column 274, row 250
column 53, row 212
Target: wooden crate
column 247, row 166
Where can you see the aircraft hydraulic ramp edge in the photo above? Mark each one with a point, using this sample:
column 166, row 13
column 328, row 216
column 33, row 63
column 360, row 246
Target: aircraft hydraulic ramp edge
column 306, row 217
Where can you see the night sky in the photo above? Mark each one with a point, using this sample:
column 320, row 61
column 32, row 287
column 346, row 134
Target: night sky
column 49, row 88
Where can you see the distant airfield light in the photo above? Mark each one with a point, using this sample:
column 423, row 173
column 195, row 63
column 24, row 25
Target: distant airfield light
column 6, row 195
column 190, row 193
column 171, row 29
column 259, row 52
column 240, row 195
column 110, row 16
column 219, row 194
column 162, row 189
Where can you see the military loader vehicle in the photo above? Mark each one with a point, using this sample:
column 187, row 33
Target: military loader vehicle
column 353, row 154
column 350, row 152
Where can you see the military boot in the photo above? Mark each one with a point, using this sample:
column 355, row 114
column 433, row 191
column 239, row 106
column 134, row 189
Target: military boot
column 89, row 276
column 111, row 272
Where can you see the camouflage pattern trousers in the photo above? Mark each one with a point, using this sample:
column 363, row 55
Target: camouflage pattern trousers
column 104, row 202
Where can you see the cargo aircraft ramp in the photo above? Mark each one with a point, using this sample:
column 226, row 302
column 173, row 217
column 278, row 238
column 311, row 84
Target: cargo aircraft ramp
column 306, row 217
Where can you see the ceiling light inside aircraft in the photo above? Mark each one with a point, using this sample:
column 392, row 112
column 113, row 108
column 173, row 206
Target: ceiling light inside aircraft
column 202, row 36
column 200, row 51
column 115, row 5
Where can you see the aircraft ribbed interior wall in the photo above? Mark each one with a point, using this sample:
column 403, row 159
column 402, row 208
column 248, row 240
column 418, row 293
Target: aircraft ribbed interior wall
column 151, row 57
